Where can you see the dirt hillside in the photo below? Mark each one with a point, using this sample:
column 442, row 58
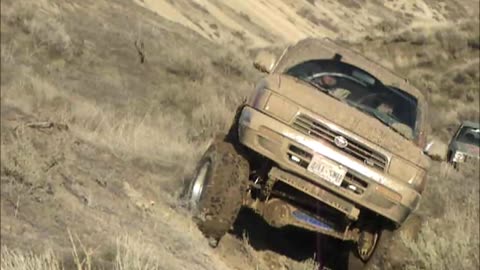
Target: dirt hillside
column 107, row 105
column 261, row 23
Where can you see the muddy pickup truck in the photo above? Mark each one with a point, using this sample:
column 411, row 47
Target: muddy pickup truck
column 328, row 141
column 465, row 144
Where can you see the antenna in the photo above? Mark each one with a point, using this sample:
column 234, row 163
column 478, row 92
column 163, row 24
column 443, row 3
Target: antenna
column 337, row 57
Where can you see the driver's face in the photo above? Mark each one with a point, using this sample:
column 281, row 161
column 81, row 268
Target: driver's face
column 385, row 108
column 329, row 80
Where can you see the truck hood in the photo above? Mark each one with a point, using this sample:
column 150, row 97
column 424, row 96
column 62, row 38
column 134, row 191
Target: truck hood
column 347, row 117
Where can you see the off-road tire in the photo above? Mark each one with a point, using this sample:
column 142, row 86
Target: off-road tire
column 456, row 166
column 379, row 253
column 410, row 228
column 223, row 191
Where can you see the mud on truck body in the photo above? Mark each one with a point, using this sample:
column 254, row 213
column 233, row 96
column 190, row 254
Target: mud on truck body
column 314, row 152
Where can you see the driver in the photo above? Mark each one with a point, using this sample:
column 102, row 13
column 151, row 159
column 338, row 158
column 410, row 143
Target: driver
column 328, row 81
column 331, row 84
column 385, row 107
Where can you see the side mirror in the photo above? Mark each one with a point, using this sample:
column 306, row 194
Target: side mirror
column 264, row 61
column 436, row 150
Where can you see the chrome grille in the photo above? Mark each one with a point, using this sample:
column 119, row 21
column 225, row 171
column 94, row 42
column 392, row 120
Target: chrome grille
column 350, row 182
column 309, row 126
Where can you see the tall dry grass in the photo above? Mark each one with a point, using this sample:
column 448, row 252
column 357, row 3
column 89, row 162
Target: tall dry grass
column 20, row 260
column 163, row 111
column 130, row 253
column 42, row 20
column 168, row 136
column 450, row 237
column 196, row 95
column 443, row 62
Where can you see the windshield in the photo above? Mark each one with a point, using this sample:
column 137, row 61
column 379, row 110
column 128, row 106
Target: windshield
column 392, row 106
column 469, row 135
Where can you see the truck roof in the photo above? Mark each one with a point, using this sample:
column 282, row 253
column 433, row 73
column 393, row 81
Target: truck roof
column 325, row 48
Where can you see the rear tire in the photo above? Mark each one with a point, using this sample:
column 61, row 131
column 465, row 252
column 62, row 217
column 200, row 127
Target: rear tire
column 216, row 192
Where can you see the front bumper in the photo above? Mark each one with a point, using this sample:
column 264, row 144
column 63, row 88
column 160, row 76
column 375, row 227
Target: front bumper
column 463, row 157
column 277, row 141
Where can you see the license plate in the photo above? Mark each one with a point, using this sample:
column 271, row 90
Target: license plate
column 327, row 170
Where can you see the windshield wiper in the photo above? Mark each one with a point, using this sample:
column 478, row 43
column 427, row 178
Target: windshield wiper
column 325, row 91
column 315, row 85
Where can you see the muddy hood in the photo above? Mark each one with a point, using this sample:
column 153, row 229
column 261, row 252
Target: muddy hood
column 347, row 117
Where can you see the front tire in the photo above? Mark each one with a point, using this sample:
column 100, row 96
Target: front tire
column 385, row 249
column 366, row 259
column 216, row 192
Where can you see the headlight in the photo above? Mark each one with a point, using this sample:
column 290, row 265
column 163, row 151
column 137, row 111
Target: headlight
column 259, row 96
column 459, row 157
column 408, row 172
column 419, row 181
column 281, row 108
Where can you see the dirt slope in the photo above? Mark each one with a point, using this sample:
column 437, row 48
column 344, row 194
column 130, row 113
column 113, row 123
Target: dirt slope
column 106, row 105
column 254, row 23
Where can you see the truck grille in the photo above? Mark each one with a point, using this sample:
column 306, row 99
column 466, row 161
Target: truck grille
column 309, row 126
column 350, row 182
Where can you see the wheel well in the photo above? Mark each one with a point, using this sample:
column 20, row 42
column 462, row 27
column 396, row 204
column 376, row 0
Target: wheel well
column 368, row 218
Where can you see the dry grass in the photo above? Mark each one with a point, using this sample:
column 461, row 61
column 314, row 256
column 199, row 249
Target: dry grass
column 309, row 264
column 20, row 260
column 197, row 98
column 165, row 111
column 46, row 30
column 130, row 254
column 159, row 115
column 20, row 161
column 175, row 134
column 443, row 62
column 135, row 255
column 257, row 260
column 449, row 239
column 7, row 53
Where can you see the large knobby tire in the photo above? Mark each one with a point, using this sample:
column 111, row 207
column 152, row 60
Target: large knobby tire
column 452, row 163
column 456, row 166
column 379, row 254
column 385, row 247
column 216, row 192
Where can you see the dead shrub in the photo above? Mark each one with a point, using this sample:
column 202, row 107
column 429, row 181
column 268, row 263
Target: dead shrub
column 21, row 160
column 227, row 64
column 453, row 42
column 50, row 32
column 40, row 19
column 184, row 64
